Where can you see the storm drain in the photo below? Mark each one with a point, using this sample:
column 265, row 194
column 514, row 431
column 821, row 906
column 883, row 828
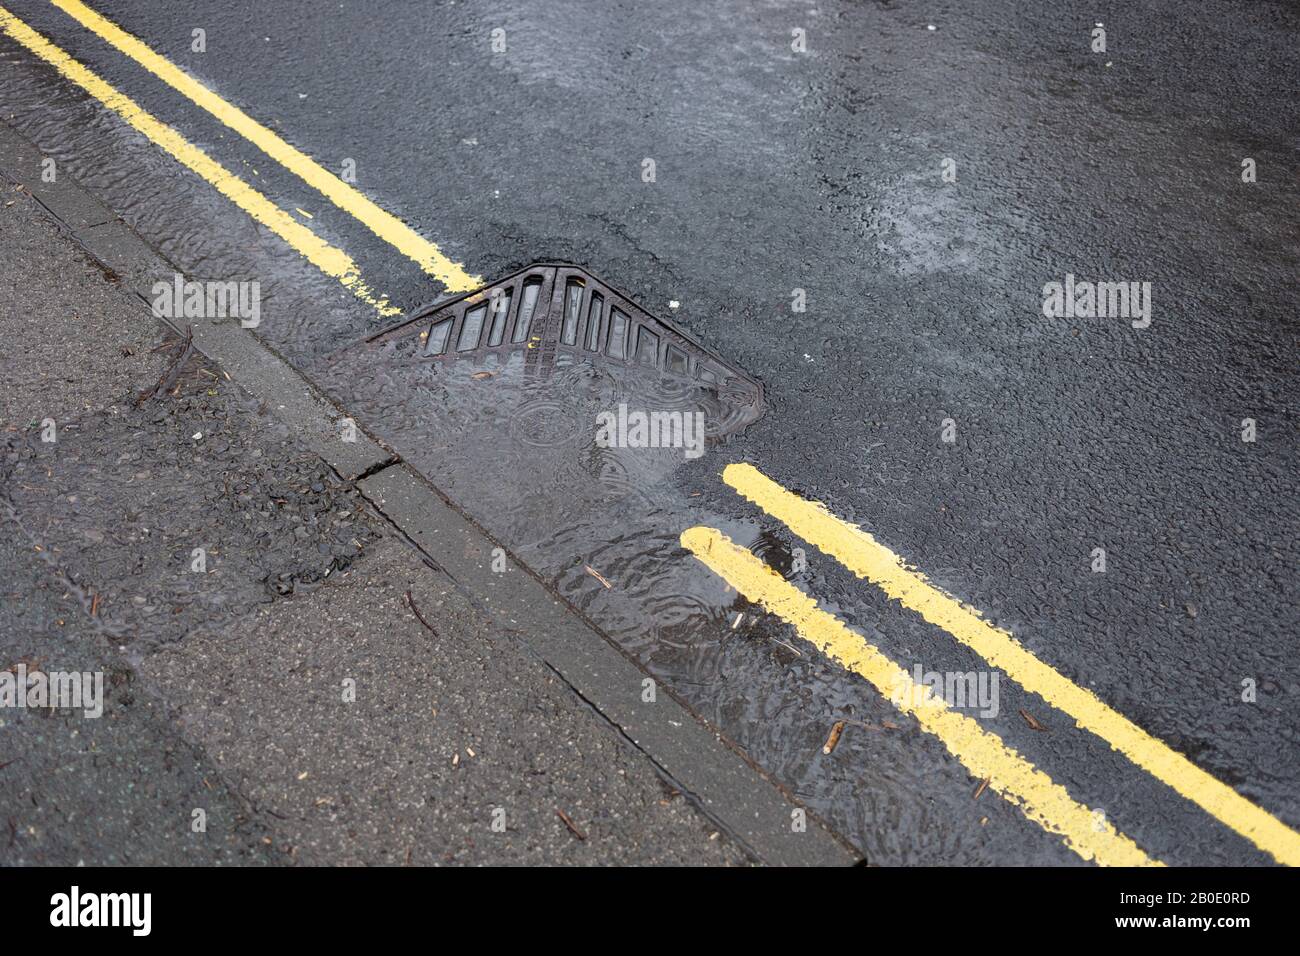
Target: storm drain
column 555, row 315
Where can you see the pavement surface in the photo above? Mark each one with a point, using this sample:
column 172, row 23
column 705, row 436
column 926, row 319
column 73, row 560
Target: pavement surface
column 916, row 389
column 115, row 790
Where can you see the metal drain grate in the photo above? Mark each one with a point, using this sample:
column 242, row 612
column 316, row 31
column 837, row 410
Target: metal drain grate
column 557, row 314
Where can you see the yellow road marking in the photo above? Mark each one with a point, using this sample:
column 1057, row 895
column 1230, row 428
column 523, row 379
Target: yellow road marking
column 867, row 558
column 382, row 223
column 984, row 754
column 329, row 259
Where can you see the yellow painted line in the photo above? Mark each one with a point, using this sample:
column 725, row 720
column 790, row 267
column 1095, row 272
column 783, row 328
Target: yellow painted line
column 382, row 223
column 984, row 754
column 329, row 259
column 868, row 559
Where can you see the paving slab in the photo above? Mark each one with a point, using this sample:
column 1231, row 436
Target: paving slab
column 118, row 789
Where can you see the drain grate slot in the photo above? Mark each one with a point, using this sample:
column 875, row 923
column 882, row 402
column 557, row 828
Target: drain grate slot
column 560, row 314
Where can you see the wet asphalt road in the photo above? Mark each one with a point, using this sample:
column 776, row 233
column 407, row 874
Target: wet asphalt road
column 822, row 171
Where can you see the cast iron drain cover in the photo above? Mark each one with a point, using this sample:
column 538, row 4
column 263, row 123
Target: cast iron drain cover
column 557, row 315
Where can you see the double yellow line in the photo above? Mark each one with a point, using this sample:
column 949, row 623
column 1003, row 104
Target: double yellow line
column 982, row 752
column 329, row 259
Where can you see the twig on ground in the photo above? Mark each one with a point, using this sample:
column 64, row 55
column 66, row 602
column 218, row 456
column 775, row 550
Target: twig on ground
column 410, row 602
column 573, row 827
column 1031, row 720
column 834, row 738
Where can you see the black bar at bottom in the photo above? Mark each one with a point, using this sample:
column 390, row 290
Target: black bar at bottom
column 1009, row 906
